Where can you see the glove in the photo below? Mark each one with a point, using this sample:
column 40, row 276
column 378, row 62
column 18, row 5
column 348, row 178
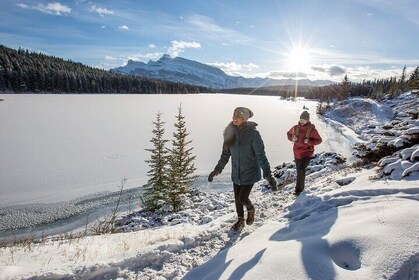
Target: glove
column 272, row 182
column 294, row 138
column 306, row 141
column 212, row 175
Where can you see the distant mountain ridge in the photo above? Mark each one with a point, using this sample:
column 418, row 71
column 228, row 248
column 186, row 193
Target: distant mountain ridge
column 182, row 70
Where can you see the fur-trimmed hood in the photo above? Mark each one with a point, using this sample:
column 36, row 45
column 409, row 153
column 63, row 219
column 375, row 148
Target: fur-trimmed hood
column 231, row 130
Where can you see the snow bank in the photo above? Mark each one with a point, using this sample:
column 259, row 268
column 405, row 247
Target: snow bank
column 361, row 231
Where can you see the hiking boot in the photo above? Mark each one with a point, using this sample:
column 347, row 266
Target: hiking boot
column 297, row 193
column 239, row 225
column 250, row 216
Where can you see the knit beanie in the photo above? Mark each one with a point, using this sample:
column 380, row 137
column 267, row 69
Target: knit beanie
column 245, row 113
column 305, row 116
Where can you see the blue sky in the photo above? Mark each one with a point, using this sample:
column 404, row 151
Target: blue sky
column 364, row 39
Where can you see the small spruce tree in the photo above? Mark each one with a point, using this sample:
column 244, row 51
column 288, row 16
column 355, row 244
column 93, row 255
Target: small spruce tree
column 156, row 187
column 181, row 163
column 345, row 90
column 413, row 82
column 402, row 81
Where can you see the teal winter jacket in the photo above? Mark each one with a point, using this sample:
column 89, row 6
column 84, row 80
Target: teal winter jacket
column 247, row 152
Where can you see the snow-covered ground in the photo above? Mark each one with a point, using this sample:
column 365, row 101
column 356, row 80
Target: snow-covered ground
column 347, row 224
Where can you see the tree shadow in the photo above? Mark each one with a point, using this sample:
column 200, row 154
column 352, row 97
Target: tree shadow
column 309, row 229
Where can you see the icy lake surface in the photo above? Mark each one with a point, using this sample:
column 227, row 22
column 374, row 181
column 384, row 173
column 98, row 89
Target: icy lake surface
column 59, row 147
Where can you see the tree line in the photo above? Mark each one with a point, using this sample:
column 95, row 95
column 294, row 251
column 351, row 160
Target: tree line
column 376, row 89
column 22, row 71
column 283, row 91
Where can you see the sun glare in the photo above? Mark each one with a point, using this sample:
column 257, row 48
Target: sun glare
column 298, row 59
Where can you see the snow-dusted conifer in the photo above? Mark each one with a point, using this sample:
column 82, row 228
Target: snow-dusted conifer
column 413, row 82
column 156, row 187
column 402, row 81
column 181, row 163
column 345, row 91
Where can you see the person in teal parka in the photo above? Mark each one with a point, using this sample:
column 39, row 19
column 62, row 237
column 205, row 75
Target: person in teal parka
column 243, row 143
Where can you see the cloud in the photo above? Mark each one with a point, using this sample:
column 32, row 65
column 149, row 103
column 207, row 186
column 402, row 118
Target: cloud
column 407, row 9
column 235, row 69
column 331, row 56
column 23, row 6
column 331, row 70
column 142, row 57
column 354, row 73
column 319, row 69
column 178, row 47
column 204, row 25
column 112, row 61
column 287, row 75
column 152, row 46
column 109, row 57
column 368, row 73
column 336, row 71
column 123, row 27
column 101, row 11
column 51, row 8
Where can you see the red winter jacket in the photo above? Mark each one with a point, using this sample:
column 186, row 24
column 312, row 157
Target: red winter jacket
column 301, row 149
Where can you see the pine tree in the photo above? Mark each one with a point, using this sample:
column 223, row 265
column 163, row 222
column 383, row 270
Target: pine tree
column 2, row 82
column 156, row 188
column 345, row 88
column 402, row 80
column 181, row 163
column 413, row 82
column 377, row 92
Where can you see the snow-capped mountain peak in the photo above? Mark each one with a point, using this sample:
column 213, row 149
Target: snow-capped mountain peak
column 165, row 57
column 179, row 70
column 182, row 70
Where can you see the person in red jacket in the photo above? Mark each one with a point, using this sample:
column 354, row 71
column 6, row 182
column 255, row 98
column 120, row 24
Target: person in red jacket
column 304, row 136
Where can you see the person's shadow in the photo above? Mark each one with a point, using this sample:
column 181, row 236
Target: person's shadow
column 310, row 220
column 215, row 267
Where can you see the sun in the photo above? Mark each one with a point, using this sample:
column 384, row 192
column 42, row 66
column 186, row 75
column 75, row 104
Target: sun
column 298, row 59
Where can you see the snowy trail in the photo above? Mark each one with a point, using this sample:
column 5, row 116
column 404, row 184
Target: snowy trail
column 167, row 251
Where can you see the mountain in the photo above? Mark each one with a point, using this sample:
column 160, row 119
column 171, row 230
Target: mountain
column 187, row 71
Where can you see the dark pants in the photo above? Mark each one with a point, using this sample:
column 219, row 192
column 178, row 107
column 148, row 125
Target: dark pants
column 301, row 164
column 241, row 198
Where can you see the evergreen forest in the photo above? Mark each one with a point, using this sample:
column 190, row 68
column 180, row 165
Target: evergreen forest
column 22, row 71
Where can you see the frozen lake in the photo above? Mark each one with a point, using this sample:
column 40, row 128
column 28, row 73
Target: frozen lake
column 59, row 147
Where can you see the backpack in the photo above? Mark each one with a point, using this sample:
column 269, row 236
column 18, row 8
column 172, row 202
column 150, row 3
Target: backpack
column 296, row 130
